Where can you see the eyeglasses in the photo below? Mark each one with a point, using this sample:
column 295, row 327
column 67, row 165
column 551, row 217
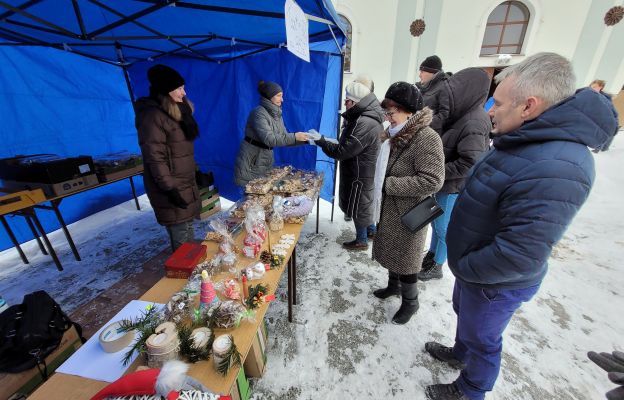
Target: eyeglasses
column 388, row 113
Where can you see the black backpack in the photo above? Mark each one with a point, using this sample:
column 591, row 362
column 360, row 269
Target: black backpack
column 30, row 331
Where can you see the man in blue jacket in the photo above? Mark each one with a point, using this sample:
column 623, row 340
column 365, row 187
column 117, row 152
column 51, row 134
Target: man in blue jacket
column 517, row 202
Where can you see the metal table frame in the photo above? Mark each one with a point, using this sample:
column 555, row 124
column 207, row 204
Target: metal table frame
column 39, row 232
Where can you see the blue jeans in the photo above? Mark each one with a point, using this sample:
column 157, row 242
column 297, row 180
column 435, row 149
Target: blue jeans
column 439, row 225
column 361, row 232
column 482, row 316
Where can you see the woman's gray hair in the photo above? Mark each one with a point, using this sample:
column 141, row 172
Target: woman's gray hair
column 548, row 76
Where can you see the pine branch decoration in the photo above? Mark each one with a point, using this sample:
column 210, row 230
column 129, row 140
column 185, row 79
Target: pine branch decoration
column 187, row 345
column 230, row 359
column 256, row 296
column 614, row 15
column 145, row 325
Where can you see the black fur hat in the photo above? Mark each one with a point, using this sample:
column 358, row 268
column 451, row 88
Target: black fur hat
column 406, row 95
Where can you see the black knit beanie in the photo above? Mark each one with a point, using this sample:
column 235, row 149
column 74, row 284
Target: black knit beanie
column 164, row 79
column 268, row 89
column 432, row 64
column 406, row 95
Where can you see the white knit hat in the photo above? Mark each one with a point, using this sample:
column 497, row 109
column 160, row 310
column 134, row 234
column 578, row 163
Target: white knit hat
column 356, row 91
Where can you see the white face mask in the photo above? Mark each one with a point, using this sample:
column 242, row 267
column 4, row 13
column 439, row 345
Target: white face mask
column 393, row 131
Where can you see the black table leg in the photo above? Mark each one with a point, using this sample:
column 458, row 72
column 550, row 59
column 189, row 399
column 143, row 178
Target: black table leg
column 136, row 201
column 35, row 234
column 318, row 212
column 290, row 290
column 65, row 230
column 13, row 239
column 294, row 274
column 46, row 240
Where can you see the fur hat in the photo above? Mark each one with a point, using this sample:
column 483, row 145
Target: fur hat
column 356, row 91
column 366, row 81
column 268, row 89
column 406, row 95
column 432, row 64
column 164, row 79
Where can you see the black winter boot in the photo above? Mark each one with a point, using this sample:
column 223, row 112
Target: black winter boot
column 448, row 391
column 409, row 303
column 393, row 289
column 427, row 262
column 443, row 353
column 434, row 272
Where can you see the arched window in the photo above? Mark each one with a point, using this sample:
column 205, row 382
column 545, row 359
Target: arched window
column 347, row 54
column 505, row 30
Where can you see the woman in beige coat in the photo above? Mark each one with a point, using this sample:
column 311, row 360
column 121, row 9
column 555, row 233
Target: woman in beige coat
column 410, row 167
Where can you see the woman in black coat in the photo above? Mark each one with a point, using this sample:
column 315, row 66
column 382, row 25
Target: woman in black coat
column 357, row 152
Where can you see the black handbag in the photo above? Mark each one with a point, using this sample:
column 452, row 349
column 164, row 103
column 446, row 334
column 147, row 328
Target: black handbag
column 422, row 214
column 30, row 331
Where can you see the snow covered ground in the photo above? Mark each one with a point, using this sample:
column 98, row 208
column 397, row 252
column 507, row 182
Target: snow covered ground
column 341, row 343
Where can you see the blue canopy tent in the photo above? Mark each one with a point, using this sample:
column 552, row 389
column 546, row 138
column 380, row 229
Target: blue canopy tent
column 79, row 100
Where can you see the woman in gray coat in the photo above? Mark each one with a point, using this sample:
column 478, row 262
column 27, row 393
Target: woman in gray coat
column 414, row 169
column 264, row 130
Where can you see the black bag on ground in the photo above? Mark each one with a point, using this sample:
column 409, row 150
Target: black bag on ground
column 422, row 214
column 30, row 331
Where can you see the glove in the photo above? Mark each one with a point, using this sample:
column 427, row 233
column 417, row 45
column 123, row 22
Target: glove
column 176, row 199
column 614, row 364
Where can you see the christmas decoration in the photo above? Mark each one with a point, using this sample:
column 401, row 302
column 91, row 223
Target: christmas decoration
column 191, row 347
column 257, row 296
column 417, row 27
column 225, row 353
column 614, row 15
column 274, row 261
column 170, row 382
column 145, row 325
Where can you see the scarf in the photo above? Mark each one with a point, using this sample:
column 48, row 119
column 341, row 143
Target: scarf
column 188, row 123
column 380, row 170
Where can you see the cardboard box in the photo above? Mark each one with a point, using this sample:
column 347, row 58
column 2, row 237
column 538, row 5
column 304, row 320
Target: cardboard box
column 27, row 381
column 255, row 362
column 240, row 389
column 56, row 189
column 210, row 210
column 111, row 176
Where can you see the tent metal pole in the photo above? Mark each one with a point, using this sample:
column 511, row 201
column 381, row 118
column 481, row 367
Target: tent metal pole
column 83, row 31
column 337, row 132
column 42, row 21
column 40, row 28
column 149, row 29
column 124, row 67
column 127, row 19
column 22, row 7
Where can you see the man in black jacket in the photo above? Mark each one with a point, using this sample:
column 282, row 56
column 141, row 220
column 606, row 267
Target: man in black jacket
column 431, row 85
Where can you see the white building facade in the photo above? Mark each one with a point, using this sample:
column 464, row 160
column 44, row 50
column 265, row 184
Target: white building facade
column 383, row 47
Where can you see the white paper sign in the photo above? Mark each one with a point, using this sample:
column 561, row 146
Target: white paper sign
column 91, row 361
column 297, row 38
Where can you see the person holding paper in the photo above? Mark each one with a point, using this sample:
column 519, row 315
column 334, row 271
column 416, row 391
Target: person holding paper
column 357, row 153
column 264, row 130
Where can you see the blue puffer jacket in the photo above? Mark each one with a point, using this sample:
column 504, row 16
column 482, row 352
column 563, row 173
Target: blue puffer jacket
column 522, row 195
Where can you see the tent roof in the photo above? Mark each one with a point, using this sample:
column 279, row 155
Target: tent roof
column 123, row 32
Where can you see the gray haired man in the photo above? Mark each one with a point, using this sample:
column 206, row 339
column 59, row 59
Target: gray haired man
column 515, row 206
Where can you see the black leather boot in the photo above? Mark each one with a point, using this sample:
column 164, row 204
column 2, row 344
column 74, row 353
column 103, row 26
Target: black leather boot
column 435, row 272
column 409, row 303
column 393, row 289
